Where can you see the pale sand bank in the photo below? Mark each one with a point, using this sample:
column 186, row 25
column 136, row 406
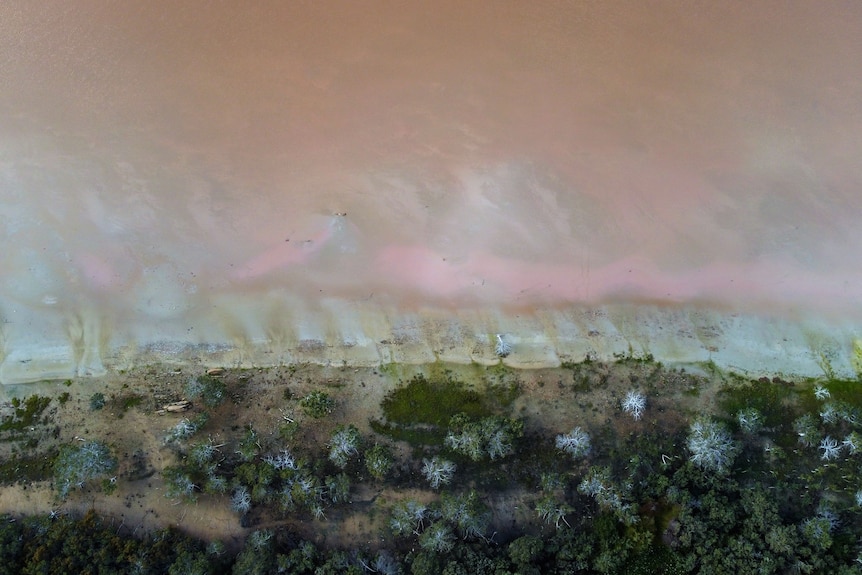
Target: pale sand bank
column 264, row 333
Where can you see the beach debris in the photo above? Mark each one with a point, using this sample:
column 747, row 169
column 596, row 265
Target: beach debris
column 175, row 407
column 215, row 372
column 502, row 349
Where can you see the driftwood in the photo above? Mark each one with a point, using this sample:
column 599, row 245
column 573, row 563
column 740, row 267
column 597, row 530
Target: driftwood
column 215, row 372
column 175, row 407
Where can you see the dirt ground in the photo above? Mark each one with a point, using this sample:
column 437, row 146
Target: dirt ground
column 551, row 401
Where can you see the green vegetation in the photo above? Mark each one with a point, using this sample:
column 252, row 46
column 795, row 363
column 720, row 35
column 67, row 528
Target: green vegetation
column 378, row 461
column 27, row 467
column 211, row 390
column 66, row 545
column 631, row 357
column 78, row 464
column 185, row 428
column 432, row 402
column 344, row 445
column 317, row 404
column 27, row 414
column 768, row 479
column 770, row 399
column 490, row 437
column 420, row 411
column 97, row 401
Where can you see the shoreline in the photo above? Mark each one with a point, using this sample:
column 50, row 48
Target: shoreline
column 268, row 334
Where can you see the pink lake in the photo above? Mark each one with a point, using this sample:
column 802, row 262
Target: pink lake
column 227, row 182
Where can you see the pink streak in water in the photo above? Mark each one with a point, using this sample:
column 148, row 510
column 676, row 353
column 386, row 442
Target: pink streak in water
column 99, row 272
column 283, row 255
column 486, row 275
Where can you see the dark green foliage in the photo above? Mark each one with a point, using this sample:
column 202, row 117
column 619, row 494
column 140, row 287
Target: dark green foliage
column 26, row 414
column 378, row 461
column 770, row 399
column 846, row 391
column 27, row 467
column 131, row 400
column 490, row 437
column 249, row 446
column 258, row 557
column 420, row 411
column 65, row 545
column 338, row 488
column 525, row 551
column 636, row 506
column 97, row 401
column 432, row 402
column 466, row 513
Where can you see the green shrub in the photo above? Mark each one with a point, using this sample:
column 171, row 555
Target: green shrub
column 490, row 437
column 178, row 484
column 211, row 390
column 185, row 428
column 97, row 401
column 378, row 461
column 78, row 464
column 317, row 404
column 26, row 413
column 343, row 445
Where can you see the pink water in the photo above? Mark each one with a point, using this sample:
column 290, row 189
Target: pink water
column 174, row 163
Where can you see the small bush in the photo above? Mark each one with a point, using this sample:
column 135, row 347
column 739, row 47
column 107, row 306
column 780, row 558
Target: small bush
column 317, row 404
column 211, row 390
column 750, row 421
column 502, row 348
column 490, row 437
column 78, row 464
column 185, row 428
column 711, row 446
column 438, row 471
column 343, row 445
column 378, row 461
column 576, row 443
column 97, row 401
column 241, row 500
column 26, row 413
column 178, row 484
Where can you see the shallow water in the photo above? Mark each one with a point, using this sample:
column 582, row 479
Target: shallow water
column 306, row 180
